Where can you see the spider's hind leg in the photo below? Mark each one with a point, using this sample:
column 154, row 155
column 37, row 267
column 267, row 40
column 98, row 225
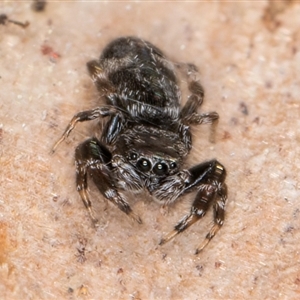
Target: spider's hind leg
column 99, row 77
column 197, row 92
column 189, row 115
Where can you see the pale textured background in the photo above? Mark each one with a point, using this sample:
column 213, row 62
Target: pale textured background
column 248, row 53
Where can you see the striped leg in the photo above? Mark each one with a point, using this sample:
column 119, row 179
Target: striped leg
column 83, row 116
column 189, row 113
column 94, row 158
column 219, row 215
column 209, row 177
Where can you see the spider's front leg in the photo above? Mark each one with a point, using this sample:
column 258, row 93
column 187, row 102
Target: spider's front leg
column 93, row 158
column 208, row 178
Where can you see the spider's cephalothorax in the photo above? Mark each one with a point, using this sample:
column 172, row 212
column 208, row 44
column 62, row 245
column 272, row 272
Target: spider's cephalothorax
column 147, row 135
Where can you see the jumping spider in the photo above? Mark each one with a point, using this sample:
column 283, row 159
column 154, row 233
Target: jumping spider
column 147, row 135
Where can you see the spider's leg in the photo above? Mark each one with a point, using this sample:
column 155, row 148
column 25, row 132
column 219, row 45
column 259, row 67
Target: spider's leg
column 189, row 113
column 84, row 116
column 219, row 214
column 99, row 77
column 104, row 86
column 88, row 155
column 208, row 178
column 195, row 99
column 205, row 118
column 93, row 158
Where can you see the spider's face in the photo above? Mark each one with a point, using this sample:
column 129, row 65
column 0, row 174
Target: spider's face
column 142, row 159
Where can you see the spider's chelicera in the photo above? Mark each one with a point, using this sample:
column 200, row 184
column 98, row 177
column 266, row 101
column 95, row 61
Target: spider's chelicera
column 147, row 135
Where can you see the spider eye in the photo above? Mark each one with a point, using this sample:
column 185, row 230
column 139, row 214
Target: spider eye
column 173, row 165
column 160, row 169
column 133, row 156
column 144, row 165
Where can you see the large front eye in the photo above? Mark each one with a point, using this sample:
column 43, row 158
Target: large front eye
column 160, row 169
column 144, row 165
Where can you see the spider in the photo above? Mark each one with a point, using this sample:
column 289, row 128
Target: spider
column 146, row 137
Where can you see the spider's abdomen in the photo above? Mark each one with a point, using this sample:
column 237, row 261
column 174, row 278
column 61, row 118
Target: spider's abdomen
column 144, row 81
